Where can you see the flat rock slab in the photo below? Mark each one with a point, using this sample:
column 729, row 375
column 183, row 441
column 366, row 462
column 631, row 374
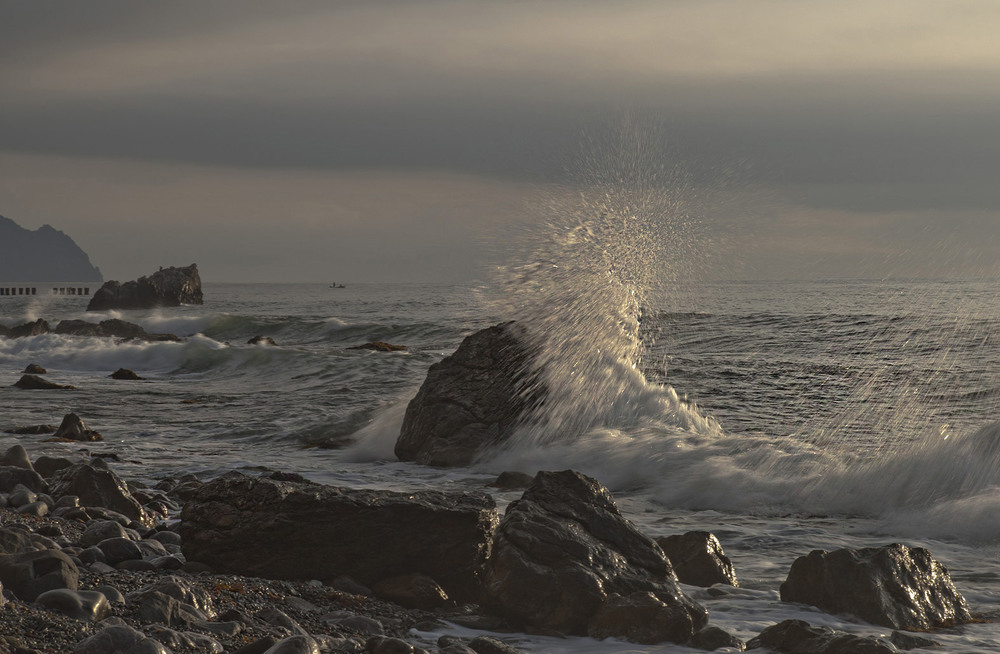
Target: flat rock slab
column 299, row 530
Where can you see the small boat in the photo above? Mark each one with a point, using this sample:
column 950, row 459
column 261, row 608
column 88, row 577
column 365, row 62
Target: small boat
column 336, row 286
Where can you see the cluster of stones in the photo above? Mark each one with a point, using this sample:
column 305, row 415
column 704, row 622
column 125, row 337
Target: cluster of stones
column 111, row 328
column 167, row 287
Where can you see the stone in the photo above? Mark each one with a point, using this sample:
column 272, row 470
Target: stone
column 278, row 618
column 117, row 550
column 78, row 328
column 13, row 541
column 36, row 328
column 36, row 509
column 113, row 328
column 563, row 549
column 799, row 637
column 183, row 591
column 168, row 287
column 712, row 638
column 36, row 383
column 698, row 559
column 31, row 429
column 16, row 456
column 490, row 645
column 387, row 645
column 87, row 605
column 73, row 428
column 256, row 526
column 30, row 574
column 12, row 476
column 20, row 496
column 294, row 645
column 413, row 591
column 511, row 480
column 911, row 641
column 125, row 374
column 98, row 487
column 47, row 466
column 893, row 586
column 35, row 369
column 186, row 640
column 379, row 346
column 98, row 530
column 261, row 340
column 639, row 618
column 258, row 646
column 119, row 639
column 472, row 400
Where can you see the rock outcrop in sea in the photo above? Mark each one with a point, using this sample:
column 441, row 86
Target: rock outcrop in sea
column 167, row 287
column 472, row 400
column 43, row 255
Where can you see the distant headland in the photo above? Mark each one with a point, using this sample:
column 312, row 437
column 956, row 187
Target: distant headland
column 43, row 255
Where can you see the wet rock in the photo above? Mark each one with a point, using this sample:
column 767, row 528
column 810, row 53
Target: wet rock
column 31, row 429
column 87, row 605
column 47, row 466
column 125, row 374
column 78, row 328
column 379, row 346
column 911, row 641
column 13, row 541
column 698, row 559
column 112, row 328
column 12, row 476
column 471, row 400
column 639, row 618
column 74, row 429
column 414, row 591
column 168, row 287
column 278, row 618
column 98, row 487
column 185, row 640
column 258, row 646
column 36, row 383
column 183, row 591
column 294, row 530
column 116, row 550
column 99, row 530
column 563, row 550
column 36, row 328
column 30, row 574
column 893, row 586
column 387, row 645
column 261, row 340
column 119, row 639
column 511, row 480
column 17, row 457
column 35, row 369
column 35, row 509
column 490, row 645
column 799, row 637
column 294, row 645
column 712, row 638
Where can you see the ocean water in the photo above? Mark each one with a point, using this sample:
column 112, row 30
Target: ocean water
column 781, row 416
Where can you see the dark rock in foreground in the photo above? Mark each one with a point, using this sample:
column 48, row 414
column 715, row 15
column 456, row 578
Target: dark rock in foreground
column 698, row 559
column 33, row 382
column 799, row 637
column 295, row 530
column 168, row 287
column 99, row 487
column 893, row 586
column 36, row 328
column 73, row 428
column 379, row 346
column 565, row 559
column 125, row 374
column 471, row 400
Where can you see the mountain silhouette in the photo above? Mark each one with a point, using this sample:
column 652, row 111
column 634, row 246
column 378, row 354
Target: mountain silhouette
column 43, row 255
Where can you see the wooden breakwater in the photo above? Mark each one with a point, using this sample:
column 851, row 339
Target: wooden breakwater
column 33, row 290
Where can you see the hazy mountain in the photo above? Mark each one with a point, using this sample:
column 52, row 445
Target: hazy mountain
column 43, row 255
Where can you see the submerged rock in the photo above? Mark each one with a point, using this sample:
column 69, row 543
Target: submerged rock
column 565, row 559
column 698, row 559
column 74, row 429
column 261, row 340
column 33, row 382
column 471, row 400
column 112, row 328
column 893, row 586
column 799, row 637
column 125, row 374
column 35, row 328
column 293, row 530
column 379, row 346
column 168, row 287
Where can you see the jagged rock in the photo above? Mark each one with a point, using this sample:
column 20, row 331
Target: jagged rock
column 293, row 530
column 119, row 639
column 799, row 637
column 639, row 618
column 379, row 346
column 471, row 400
column 413, row 591
column 168, row 287
column 125, row 374
column 698, row 559
column 74, row 429
column 98, row 487
column 261, row 340
column 563, row 550
column 893, row 586
column 33, row 382
column 88, row 605
column 29, row 574
column 78, row 328
column 36, row 328
column 35, row 369
column 17, row 457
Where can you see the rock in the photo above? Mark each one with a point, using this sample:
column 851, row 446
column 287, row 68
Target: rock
column 893, row 586
column 387, row 645
column 490, row 645
column 74, row 429
column 510, row 480
column 30, row 574
column 116, row 550
column 185, row 591
column 34, row 382
column 13, row 541
column 12, row 476
column 78, row 328
column 32, row 429
column 471, row 400
column 639, row 618
column 298, row 530
column 413, row 591
column 47, row 466
column 17, row 457
column 911, row 641
column 379, row 346
column 159, row 608
column 119, row 639
column 88, row 605
column 36, row 328
column 168, row 287
column 35, row 369
column 799, row 637
column 294, row 645
column 712, row 638
column 261, row 340
column 35, row 509
column 125, row 374
column 698, row 559
column 258, row 646
column 563, row 550
column 98, row 487
column 113, row 328
column 186, row 640
column 99, row 530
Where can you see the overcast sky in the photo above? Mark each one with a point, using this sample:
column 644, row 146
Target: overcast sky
column 300, row 140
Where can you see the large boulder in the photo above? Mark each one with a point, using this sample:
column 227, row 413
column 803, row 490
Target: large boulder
column 565, row 559
column 36, row 328
column 168, row 287
column 99, row 487
column 698, row 559
column 29, row 574
column 266, row 527
column 36, row 383
column 73, row 428
column 893, row 586
column 471, row 400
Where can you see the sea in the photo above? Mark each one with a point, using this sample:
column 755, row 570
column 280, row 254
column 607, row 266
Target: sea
column 782, row 416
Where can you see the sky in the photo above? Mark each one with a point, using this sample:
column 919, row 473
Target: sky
column 375, row 140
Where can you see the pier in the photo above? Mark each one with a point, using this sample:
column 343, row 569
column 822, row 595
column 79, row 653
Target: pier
column 33, row 290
